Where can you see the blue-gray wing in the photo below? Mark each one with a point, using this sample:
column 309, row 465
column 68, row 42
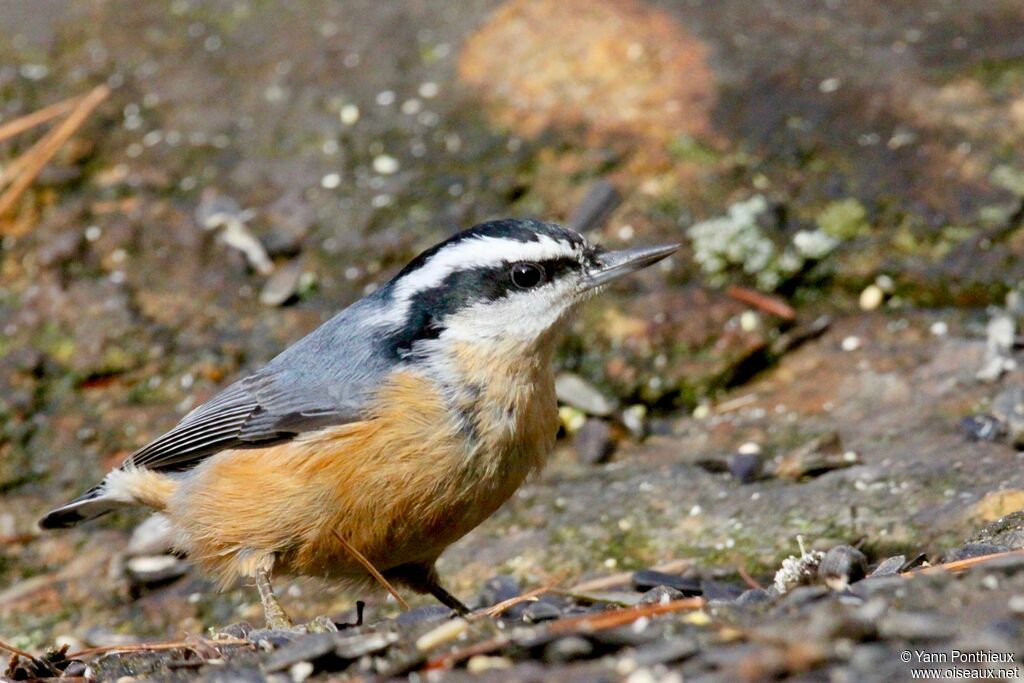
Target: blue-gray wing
column 325, row 379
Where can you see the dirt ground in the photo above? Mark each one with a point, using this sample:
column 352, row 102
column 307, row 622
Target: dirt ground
column 846, row 179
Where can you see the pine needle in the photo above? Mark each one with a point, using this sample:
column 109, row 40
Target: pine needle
column 371, row 569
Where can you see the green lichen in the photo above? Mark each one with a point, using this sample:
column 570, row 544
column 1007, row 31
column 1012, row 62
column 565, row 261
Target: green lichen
column 844, row 219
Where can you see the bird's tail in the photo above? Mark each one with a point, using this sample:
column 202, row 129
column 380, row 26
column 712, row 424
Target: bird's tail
column 90, row 505
column 126, row 486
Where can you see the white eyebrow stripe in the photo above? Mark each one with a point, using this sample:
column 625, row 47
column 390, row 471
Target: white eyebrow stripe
column 477, row 252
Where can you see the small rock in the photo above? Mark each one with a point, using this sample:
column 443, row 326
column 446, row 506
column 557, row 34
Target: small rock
column 442, row 634
column 841, row 566
column 541, row 611
column 982, row 427
column 498, row 589
column 360, row 645
column 283, row 285
column 1006, row 531
column 567, row 649
column 154, row 536
column 423, row 614
column 1000, row 336
column 646, row 579
column 1008, row 408
column 753, row 596
column 76, row 668
column 577, row 392
column 271, row 639
column 970, row 550
column 821, row 454
column 889, row 566
column 478, row 664
column 746, row 467
column 240, row 630
column 805, row 595
column 660, row 595
column 871, row 298
column 148, row 570
column 665, row 652
column 915, row 626
column 304, row 648
column 594, row 443
column 719, row 590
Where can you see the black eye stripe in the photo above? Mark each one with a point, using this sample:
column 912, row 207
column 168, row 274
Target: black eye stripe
column 428, row 308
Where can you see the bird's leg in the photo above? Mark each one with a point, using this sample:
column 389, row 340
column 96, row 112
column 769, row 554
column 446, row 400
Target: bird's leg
column 274, row 614
column 423, row 579
column 446, row 598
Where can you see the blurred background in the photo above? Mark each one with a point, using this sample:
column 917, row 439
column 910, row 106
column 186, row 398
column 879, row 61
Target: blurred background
column 829, row 354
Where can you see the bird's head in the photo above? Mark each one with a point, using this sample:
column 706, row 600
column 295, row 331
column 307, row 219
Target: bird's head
column 507, row 284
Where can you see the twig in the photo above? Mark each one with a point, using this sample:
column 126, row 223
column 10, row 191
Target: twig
column 747, row 578
column 767, row 303
column 497, row 610
column 156, row 647
column 613, row 618
column 586, row 622
column 23, row 123
column 40, row 154
column 370, row 568
column 600, row 583
column 21, row 653
column 18, row 538
column 963, row 565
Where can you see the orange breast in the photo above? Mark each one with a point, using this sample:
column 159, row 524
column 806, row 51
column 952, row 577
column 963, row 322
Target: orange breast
column 400, row 486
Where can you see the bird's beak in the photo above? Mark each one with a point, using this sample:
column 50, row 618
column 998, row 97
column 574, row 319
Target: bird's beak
column 612, row 265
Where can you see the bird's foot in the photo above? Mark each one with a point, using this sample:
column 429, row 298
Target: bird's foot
column 320, row 624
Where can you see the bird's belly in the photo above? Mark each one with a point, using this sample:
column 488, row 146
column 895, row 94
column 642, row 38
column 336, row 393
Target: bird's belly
column 399, row 487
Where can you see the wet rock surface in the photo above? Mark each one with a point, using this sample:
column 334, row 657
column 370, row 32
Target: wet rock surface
column 258, row 166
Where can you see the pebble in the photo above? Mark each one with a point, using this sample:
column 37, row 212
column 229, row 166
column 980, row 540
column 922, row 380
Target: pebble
column 850, row 343
column 969, row 550
column 478, row 664
column 303, row 648
column 577, row 392
column 567, row 649
column 354, row 647
column 540, row 611
column 982, row 427
column 1000, row 335
column 666, row 652
column 154, row 536
column 646, row 579
column 282, row 286
column 915, row 626
column 821, row 454
column 889, row 566
column 498, row 589
column 746, row 467
column 841, row 566
column 147, row 570
column 719, row 590
column 753, row 596
column 871, row 298
column 446, row 632
column 593, row 443
column 661, row 595
column 425, row 613
column 1008, row 408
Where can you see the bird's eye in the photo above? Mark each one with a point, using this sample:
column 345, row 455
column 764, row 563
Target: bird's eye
column 526, row 275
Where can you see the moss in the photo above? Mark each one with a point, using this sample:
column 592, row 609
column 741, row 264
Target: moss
column 844, row 219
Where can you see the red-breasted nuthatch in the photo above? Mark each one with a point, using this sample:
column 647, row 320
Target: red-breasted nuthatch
column 399, row 425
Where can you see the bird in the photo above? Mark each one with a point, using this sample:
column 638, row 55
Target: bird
column 393, row 429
